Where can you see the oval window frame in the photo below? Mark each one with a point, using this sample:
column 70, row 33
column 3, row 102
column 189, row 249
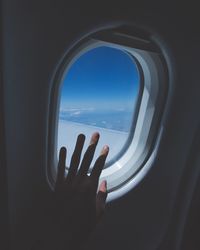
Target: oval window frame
column 150, row 57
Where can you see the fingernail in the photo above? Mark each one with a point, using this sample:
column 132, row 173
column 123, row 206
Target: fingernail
column 105, row 149
column 95, row 138
column 103, row 186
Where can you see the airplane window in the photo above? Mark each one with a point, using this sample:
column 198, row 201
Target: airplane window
column 99, row 93
column 117, row 84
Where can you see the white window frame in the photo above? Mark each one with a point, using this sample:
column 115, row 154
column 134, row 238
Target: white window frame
column 135, row 162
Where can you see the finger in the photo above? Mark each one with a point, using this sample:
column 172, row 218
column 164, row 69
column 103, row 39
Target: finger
column 101, row 199
column 61, row 166
column 103, row 187
column 99, row 164
column 75, row 160
column 89, row 154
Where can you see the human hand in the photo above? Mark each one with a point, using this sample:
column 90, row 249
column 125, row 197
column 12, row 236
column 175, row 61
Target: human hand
column 79, row 205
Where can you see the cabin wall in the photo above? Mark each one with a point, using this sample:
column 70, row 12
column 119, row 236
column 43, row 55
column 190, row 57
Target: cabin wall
column 35, row 35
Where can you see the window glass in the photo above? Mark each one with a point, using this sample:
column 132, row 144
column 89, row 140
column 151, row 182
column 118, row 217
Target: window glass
column 99, row 93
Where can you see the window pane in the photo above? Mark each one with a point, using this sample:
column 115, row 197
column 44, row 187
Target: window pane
column 99, row 93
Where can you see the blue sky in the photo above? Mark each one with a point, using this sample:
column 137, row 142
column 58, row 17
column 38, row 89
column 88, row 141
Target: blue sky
column 102, row 79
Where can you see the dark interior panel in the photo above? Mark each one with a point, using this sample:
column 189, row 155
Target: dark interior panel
column 35, row 36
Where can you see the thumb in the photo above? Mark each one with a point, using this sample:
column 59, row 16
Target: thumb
column 101, row 199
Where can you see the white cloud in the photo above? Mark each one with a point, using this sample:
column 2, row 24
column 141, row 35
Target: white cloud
column 74, row 110
column 76, row 113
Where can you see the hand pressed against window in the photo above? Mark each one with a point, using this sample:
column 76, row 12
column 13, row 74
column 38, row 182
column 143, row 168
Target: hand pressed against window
column 79, row 204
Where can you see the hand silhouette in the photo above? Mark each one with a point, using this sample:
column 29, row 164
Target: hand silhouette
column 79, row 205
